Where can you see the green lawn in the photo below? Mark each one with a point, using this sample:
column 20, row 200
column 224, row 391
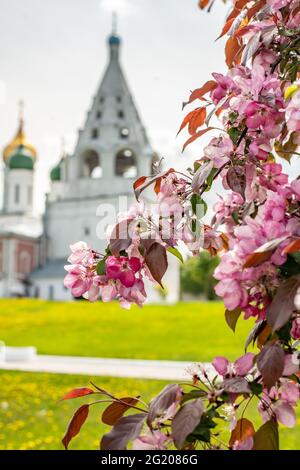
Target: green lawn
column 32, row 418
column 191, row 332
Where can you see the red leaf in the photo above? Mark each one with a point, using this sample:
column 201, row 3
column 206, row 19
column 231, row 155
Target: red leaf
column 186, row 420
column 75, row 424
column 197, row 120
column 226, row 27
column 156, row 261
column 263, row 253
column 120, row 238
column 141, row 186
column 196, row 136
column 167, row 397
column 283, row 303
column 194, row 119
column 203, row 4
column 200, row 92
column 232, row 51
column 236, row 180
column 232, row 317
column 239, row 5
column 244, row 429
column 186, row 120
column 293, row 247
column 237, row 385
column 139, row 182
column 78, row 392
column 116, row 410
column 270, row 363
column 126, row 429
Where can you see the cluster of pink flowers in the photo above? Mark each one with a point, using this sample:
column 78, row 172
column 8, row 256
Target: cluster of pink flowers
column 122, row 279
column 249, row 287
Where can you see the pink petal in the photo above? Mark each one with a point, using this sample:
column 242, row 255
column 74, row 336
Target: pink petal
column 70, row 280
column 135, row 264
column 79, row 288
column 291, row 365
column 221, row 365
column 244, row 364
column 290, row 393
column 127, row 278
column 108, row 293
column 93, row 293
column 285, row 414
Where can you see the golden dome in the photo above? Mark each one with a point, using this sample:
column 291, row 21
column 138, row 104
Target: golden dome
column 19, row 139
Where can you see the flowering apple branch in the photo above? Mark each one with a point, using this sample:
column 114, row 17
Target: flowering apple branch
column 255, row 230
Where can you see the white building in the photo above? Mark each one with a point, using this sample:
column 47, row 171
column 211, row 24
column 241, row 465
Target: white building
column 111, row 151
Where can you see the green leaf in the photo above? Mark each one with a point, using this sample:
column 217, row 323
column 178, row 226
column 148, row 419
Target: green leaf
column 267, row 437
column 101, row 267
column 175, row 252
column 256, row 388
column 291, row 267
column 192, row 395
column 234, row 134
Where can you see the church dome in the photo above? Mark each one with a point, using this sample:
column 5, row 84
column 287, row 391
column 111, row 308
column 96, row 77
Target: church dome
column 114, row 40
column 20, row 139
column 55, row 174
column 20, row 160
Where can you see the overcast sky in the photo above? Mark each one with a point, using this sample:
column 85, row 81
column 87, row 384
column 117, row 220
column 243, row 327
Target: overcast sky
column 53, row 54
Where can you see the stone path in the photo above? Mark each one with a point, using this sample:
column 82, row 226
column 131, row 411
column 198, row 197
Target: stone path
column 164, row 370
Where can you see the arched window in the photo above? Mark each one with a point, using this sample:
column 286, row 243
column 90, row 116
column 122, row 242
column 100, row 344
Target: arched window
column 126, row 164
column 91, row 164
column 95, row 133
column 121, row 114
column 99, row 115
column 17, row 194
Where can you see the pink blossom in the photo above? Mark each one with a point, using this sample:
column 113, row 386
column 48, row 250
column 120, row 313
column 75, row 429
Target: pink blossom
column 219, row 150
column 154, row 441
column 123, row 269
column 291, row 365
column 295, row 331
column 280, row 402
column 293, row 112
column 260, row 148
column 241, row 367
column 296, row 188
column 233, row 294
column 263, row 118
column 82, row 272
column 278, row 4
column 272, row 176
column 224, row 85
column 81, row 252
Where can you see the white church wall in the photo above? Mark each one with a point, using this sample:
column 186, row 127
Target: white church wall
column 19, row 191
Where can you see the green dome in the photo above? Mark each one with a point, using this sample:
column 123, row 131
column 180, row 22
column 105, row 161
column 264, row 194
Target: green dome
column 55, row 174
column 20, row 160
